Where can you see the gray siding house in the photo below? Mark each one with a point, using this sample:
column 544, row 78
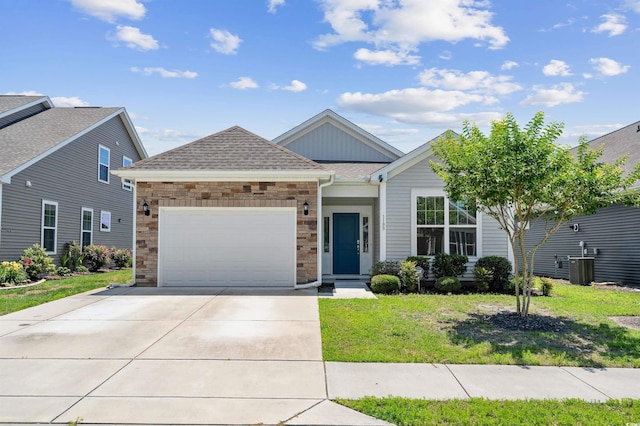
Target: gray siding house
column 611, row 236
column 55, row 175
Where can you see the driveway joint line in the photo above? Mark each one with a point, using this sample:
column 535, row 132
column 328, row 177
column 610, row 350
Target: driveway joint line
column 457, row 380
column 585, row 382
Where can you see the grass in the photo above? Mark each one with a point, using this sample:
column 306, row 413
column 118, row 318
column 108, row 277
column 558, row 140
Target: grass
column 456, row 329
column 477, row 411
column 22, row 298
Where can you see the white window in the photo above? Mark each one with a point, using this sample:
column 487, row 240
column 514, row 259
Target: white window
column 86, row 227
column 48, row 237
column 126, row 183
column 440, row 225
column 104, row 158
column 105, row 221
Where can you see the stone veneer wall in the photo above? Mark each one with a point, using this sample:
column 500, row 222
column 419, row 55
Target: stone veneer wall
column 225, row 194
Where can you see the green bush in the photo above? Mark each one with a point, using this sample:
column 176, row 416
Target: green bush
column 449, row 265
column 82, row 269
column 72, row 256
column 409, row 276
column 385, row 284
column 36, row 261
column 448, row 285
column 500, row 268
column 12, row 273
column 483, row 277
column 96, row 257
column 421, row 261
column 63, row 271
column 546, row 286
column 386, row 267
column 121, row 257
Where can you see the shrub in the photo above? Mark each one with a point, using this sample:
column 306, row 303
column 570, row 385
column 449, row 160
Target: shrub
column 121, row 257
column 386, row 267
column 36, row 261
column 385, row 284
column 500, row 270
column 72, row 256
column 96, row 257
column 12, row 273
column 449, row 265
column 483, row 277
column 448, row 285
column 63, row 271
column 409, row 276
column 547, row 286
column 82, row 269
column 421, row 261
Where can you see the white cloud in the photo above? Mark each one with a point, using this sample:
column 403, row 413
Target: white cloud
column 614, row 24
column 563, row 93
column 508, row 65
column 25, row 93
column 446, row 55
column 274, row 4
column 380, row 130
column 134, row 39
column 385, row 57
column 557, row 68
column 633, row 5
column 295, row 86
column 244, row 83
column 608, row 67
column 110, row 10
column 402, row 26
column 475, row 81
column 164, row 73
column 223, row 41
column 73, row 101
column 587, row 75
column 159, row 140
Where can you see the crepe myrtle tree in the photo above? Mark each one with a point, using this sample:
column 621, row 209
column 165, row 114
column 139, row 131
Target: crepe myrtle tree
column 523, row 176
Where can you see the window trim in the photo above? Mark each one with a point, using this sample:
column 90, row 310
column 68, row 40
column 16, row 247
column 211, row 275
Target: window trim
column 108, row 165
column 127, row 184
column 417, row 192
column 55, row 228
column 82, row 230
column 103, row 212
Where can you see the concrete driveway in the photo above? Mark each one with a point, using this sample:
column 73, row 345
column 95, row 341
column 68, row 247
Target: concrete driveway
column 168, row 356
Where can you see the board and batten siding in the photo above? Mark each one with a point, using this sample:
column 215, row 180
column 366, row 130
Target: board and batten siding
column 21, row 115
column 329, row 143
column 69, row 176
column 614, row 231
column 398, row 215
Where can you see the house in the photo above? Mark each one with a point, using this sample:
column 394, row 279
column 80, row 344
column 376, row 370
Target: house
column 611, row 236
column 55, row 180
column 322, row 201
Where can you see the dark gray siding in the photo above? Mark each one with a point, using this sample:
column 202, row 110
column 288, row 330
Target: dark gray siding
column 329, row 143
column 614, row 231
column 69, row 176
column 21, row 115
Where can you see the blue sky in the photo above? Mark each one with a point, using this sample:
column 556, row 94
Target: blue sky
column 405, row 70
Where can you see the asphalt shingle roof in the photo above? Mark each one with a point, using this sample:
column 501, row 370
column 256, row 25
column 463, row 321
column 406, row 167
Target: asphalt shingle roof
column 232, row 149
column 353, row 170
column 11, row 102
column 26, row 139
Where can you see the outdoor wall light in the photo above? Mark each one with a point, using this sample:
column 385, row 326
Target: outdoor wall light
column 145, row 209
column 305, row 208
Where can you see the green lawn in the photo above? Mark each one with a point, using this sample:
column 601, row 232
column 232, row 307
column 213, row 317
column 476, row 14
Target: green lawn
column 22, row 298
column 457, row 329
column 476, row 411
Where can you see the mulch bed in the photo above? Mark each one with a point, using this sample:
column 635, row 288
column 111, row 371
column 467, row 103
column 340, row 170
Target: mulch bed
column 507, row 320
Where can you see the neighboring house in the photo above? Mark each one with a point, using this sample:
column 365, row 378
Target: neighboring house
column 611, row 236
column 323, row 201
column 55, row 180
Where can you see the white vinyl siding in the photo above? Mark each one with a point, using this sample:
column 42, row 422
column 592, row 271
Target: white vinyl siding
column 104, row 163
column 86, row 227
column 126, row 183
column 49, row 234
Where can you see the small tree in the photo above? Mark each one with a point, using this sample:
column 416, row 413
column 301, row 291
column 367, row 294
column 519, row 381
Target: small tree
column 521, row 176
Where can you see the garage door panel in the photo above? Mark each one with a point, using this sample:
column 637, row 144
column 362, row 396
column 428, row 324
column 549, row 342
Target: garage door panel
column 227, row 247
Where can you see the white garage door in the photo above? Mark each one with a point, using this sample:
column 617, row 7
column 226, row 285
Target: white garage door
column 227, row 247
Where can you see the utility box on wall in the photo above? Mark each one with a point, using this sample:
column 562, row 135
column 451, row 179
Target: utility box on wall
column 581, row 270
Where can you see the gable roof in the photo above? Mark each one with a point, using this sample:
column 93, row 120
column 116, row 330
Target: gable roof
column 9, row 104
column 28, row 141
column 234, row 153
column 342, row 123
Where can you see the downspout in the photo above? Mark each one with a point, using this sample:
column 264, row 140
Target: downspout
column 320, row 239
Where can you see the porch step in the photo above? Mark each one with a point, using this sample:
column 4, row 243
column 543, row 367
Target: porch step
column 352, row 290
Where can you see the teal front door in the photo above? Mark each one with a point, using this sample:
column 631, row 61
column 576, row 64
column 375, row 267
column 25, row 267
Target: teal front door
column 346, row 244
